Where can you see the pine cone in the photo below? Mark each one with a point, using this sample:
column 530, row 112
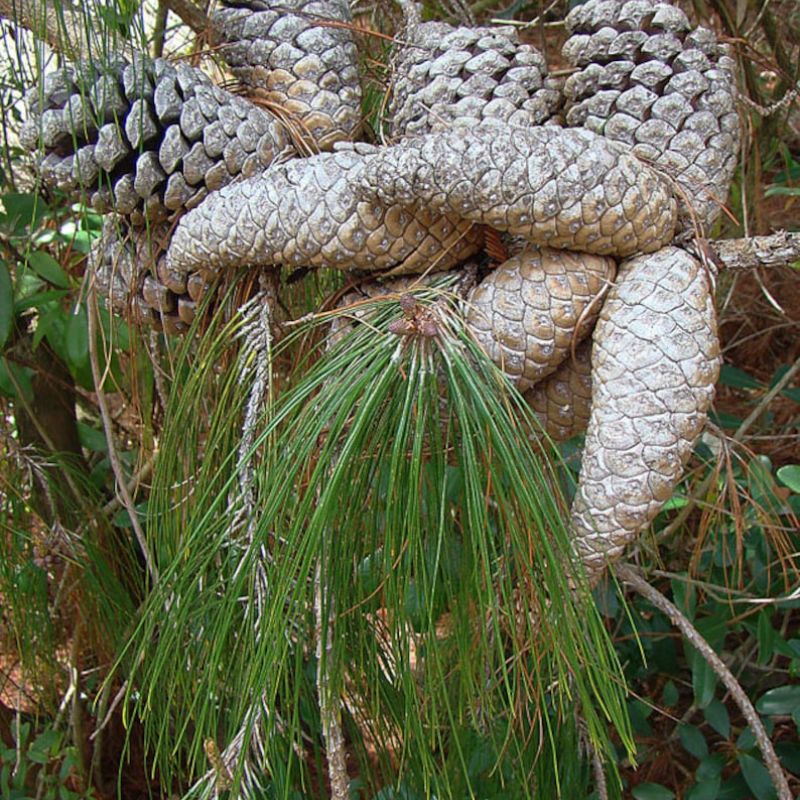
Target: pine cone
column 307, row 213
column 443, row 74
column 131, row 271
column 147, row 139
column 301, row 52
column 526, row 313
column 648, row 80
column 563, row 400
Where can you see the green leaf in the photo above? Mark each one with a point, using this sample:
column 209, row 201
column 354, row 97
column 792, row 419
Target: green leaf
column 757, row 777
column 39, row 300
column 790, row 476
column 789, row 754
column 652, row 791
column 704, row 682
column 717, row 717
column 13, row 375
column 783, row 700
column 704, row 790
column 738, row 378
column 92, row 439
column 77, row 340
column 766, row 636
column 670, row 694
column 46, row 267
column 6, row 303
column 711, row 767
column 21, row 211
column 693, row 741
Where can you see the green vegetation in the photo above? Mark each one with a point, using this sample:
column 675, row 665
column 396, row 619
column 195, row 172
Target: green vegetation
column 361, row 533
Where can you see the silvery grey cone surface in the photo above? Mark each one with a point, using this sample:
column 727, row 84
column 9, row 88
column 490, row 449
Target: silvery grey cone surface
column 667, row 91
column 441, row 74
column 608, row 188
column 302, row 55
column 655, row 360
column 148, row 138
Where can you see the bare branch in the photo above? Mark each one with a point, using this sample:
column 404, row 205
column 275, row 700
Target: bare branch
column 775, row 250
column 54, row 23
column 190, row 14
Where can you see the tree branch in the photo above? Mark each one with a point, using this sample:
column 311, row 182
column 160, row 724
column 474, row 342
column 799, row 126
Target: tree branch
column 190, row 14
column 54, row 23
column 776, row 250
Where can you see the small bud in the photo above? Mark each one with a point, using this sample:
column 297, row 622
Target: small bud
column 429, row 328
column 408, row 305
column 401, row 327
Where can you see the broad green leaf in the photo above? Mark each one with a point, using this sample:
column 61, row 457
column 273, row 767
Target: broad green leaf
column 675, row 502
column 670, row 694
column 13, row 375
column 39, row 300
column 704, row 682
column 718, row 718
column 92, row 439
column 757, row 777
column 711, row 767
column 704, row 790
column 6, row 303
column 46, row 267
column 781, row 700
column 790, row 476
column 693, row 741
column 766, row 636
column 652, row 791
column 77, row 340
column 738, row 378
column 789, row 754
column 21, row 211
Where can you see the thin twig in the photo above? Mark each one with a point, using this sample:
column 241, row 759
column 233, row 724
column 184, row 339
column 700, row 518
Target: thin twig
column 630, row 576
column 329, row 706
column 113, row 456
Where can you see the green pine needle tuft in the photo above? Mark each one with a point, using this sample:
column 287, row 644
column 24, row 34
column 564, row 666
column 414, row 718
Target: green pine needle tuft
column 393, row 480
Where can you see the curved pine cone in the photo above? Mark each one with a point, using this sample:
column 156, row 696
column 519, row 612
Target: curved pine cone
column 650, row 81
column 147, row 139
column 563, row 401
column 130, row 269
column 302, row 55
column 566, row 189
column 308, row 213
column 443, row 74
column 527, row 312
column 655, row 361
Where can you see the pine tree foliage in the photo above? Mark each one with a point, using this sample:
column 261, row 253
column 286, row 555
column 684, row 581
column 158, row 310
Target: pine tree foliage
column 397, row 473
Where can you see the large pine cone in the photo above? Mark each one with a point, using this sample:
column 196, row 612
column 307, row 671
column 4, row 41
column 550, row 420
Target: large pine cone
column 443, row 74
column 648, row 80
column 302, row 54
column 147, row 139
column 131, row 272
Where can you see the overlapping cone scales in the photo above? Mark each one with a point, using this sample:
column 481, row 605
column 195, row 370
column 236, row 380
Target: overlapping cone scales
column 131, row 272
column 655, row 360
column 567, row 189
column 301, row 53
column 529, row 312
column 563, row 400
column 442, row 74
column 147, row 139
column 307, row 213
column 648, row 80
